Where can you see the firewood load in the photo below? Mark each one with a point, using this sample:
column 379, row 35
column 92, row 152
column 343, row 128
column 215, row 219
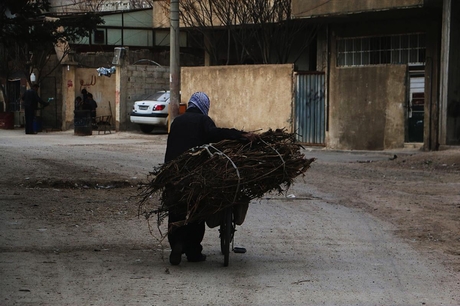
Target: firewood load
column 206, row 179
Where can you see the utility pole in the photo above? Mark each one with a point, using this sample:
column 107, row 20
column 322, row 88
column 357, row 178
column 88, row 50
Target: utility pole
column 174, row 77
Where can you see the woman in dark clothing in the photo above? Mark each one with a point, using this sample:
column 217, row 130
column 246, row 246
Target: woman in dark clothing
column 90, row 105
column 78, row 103
column 31, row 100
column 84, row 94
column 191, row 129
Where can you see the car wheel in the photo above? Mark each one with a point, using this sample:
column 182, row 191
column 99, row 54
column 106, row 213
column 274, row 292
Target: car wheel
column 146, row 128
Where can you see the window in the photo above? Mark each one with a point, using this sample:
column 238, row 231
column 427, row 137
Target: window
column 99, row 37
column 394, row 49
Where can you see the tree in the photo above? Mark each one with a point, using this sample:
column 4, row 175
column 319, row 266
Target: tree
column 256, row 31
column 29, row 34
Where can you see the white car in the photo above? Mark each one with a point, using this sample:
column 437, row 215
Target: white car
column 151, row 112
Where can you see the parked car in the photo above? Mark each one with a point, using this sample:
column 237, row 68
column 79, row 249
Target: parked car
column 151, row 112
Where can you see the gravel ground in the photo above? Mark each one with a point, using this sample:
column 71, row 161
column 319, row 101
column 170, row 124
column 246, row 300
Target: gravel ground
column 361, row 228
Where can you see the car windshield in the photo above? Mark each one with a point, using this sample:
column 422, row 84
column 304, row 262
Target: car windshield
column 159, row 96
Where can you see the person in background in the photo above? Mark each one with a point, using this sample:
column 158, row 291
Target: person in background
column 78, row 103
column 191, row 129
column 84, row 94
column 31, row 99
column 90, row 104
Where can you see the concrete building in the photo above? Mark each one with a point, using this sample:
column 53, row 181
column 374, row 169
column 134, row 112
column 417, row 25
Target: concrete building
column 392, row 71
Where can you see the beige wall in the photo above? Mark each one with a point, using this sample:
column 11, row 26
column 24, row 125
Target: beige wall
column 250, row 97
column 102, row 88
column 367, row 108
column 114, row 95
column 160, row 16
column 301, row 8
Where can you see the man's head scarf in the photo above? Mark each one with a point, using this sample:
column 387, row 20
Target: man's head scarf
column 201, row 101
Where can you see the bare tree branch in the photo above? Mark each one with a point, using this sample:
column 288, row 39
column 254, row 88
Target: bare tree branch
column 257, row 31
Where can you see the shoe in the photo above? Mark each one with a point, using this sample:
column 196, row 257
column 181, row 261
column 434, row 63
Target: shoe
column 176, row 254
column 198, row 258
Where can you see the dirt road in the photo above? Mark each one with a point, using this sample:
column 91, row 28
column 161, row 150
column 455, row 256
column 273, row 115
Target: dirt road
column 362, row 228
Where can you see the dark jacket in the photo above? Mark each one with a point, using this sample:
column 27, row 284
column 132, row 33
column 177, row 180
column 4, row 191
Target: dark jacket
column 91, row 105
column 192, row 129
column 31, row 100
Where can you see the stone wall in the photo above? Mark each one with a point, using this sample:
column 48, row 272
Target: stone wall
column 140, row 81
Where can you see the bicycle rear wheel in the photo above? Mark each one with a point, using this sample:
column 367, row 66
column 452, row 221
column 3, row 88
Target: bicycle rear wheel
column 226, row 229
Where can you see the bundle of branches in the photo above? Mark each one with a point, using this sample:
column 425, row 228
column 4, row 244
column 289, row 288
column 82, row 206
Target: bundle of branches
column 209, row 178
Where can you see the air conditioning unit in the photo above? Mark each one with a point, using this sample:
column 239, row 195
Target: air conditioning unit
column 119, row 54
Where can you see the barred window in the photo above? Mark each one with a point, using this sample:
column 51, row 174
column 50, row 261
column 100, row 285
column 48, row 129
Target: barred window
column 394, row 49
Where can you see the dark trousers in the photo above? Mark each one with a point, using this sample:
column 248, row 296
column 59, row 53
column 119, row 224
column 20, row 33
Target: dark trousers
column 29, row 114
column 190, row 235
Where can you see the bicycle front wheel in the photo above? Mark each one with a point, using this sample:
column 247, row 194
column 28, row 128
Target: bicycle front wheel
column 226, row 234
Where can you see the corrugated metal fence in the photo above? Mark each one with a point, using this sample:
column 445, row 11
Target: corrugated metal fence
column 310, row 108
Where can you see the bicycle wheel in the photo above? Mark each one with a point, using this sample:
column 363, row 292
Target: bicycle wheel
column 226, row 229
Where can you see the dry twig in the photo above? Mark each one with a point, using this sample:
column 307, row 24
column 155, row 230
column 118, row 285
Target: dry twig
column 209, row 178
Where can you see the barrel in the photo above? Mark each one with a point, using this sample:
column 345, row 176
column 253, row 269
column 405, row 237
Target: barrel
column 82, row 123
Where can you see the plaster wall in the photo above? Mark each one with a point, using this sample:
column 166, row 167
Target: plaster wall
column 114, row 95
column 102, row 88
column 249, row 97
column 313, row 8
column 367, row 108
column 388, row 131
column 161, row 15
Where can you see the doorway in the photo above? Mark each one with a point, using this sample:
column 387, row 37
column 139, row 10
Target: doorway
column 415, row 105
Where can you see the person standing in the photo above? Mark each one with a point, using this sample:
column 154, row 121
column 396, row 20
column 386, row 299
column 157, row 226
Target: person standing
column 92, row 105
column 88, row 103
column 84, row 94
column 78, row 103
column 191, row 129
column 31, row 99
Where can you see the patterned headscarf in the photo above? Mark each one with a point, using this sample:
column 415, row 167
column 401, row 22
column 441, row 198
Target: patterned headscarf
column 201, row 101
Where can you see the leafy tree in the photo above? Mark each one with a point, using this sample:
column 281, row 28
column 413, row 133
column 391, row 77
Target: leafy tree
column 29, row 34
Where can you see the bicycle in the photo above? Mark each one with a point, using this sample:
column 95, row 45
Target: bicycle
column 227, row 231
